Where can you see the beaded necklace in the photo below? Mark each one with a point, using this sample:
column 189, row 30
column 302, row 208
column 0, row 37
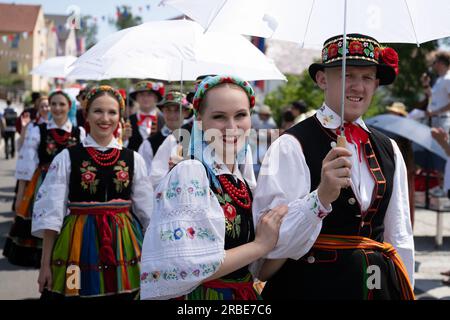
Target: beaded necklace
column 237, row 193
column 104, row 159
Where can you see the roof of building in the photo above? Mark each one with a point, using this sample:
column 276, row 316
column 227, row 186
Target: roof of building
column 18, row 17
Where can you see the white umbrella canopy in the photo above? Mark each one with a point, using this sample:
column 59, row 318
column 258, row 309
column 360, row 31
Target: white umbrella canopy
column 311, row 22
column 173, row 50
column 56, row 67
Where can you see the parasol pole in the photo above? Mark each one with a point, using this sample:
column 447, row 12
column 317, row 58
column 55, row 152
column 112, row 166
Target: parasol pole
column 341, row 142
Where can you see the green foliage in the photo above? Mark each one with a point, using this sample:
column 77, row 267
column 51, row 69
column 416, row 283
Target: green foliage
column 11, row 81
column 126, row 19
column 412, row 64
column 297, row 88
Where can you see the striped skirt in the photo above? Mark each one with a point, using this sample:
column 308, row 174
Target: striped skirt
column 225, row 289
column 21, row 248
column 98, row 251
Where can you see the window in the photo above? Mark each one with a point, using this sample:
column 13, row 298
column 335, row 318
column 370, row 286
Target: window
column 13, row 67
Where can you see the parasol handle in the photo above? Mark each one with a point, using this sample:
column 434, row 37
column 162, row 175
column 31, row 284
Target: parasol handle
column 341, row 142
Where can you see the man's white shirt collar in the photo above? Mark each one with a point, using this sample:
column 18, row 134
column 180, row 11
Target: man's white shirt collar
column 331, row 120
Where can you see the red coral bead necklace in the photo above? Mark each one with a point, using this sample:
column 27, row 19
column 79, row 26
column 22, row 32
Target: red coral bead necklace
column 237, row 193
column 104, row 159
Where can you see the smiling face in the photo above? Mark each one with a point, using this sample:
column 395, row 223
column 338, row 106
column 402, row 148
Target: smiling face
column 360, row 86
column 59, row 108
column 225, row 116
column 103, row 117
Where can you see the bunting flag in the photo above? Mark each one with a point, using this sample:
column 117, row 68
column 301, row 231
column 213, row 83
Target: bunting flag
column 260, row 43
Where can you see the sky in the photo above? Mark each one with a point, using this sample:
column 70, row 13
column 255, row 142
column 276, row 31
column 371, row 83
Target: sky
column 105, row 8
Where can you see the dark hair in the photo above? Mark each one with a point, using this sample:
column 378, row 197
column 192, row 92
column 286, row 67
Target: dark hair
column 443, row 57
column 288, row 116
column 34, row 96
column 8, row 102
column 300, row 106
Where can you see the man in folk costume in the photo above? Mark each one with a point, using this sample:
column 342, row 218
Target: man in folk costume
column 348, row 232
column 170, row 107
column 148, row 120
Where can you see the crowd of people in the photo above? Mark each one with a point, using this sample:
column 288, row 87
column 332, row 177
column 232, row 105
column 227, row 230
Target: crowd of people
column 179, row 199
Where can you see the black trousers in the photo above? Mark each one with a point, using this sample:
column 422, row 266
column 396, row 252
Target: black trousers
column 334, row 275
column 9, row 141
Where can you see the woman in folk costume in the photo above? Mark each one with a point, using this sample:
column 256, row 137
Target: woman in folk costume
column 43, row 113
column 348, row 233
column 170, row 107
column 201, row 238
column 83, row 210
column 42, row 143
column 149, row 119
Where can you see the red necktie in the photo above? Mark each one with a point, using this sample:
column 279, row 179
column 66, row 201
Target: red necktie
column 356, row 135
column 144, row 117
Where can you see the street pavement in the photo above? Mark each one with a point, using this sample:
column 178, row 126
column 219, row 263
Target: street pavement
column 21, row 283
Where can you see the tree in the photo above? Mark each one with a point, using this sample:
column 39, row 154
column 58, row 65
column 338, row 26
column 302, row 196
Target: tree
column 125, row 18
column 297, row 88
column 412, row 64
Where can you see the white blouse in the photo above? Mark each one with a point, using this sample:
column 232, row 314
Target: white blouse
column 146, row 150
column 285, row 179
column 50, row 206
column 184, row 243
column 28, row 159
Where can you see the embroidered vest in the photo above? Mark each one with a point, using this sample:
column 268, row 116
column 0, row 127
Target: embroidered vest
column 239, row 228
column 48, row 148
column 92, row 182
column 347, row 217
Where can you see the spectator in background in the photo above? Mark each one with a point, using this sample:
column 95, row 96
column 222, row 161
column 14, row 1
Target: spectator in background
column 442, row 138
column 299, row 109
column 287, row 120
column 80, row 113
column 266, row 120
column 439, row 94
column 9, row 129
column 28, row 112
column 405, row 146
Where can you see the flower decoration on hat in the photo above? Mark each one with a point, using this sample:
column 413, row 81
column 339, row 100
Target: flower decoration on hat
column 390, row 57
column 155, row 87
column 211, row 82
column 176, row 97
column 361, row 51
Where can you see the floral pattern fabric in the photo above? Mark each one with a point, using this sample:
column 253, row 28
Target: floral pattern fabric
column 185, row 241
column 88, row 174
